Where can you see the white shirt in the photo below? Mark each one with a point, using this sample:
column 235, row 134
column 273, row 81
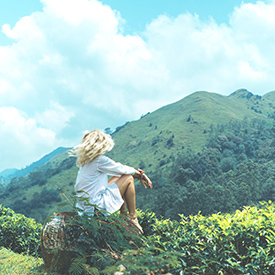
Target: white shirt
column 93, row 179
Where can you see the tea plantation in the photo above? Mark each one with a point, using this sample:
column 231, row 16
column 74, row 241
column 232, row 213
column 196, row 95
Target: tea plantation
column 239, row 243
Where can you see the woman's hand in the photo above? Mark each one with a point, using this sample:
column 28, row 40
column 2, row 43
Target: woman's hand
column 145, row 181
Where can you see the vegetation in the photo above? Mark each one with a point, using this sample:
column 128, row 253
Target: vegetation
column 210, row 164
column 188, row 123
column 19, row 233
column 12, row 263
column 97, row 241
column 237, row 243
column 235, row 169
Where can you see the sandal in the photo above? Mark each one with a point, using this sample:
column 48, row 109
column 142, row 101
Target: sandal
column 135, row 222
column 124, row 214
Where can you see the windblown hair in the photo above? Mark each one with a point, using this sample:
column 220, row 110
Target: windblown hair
column 94, row 144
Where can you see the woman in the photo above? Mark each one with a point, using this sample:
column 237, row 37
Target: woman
column 112, row 195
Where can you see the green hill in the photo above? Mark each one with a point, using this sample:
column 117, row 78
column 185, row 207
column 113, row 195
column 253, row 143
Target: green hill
column 157, row 137
column 154, row 143
column 8, row 174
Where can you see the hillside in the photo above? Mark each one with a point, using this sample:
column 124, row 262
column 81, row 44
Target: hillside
column 5, row 173
column 8, row 174
column 155, row 139
column 156, row 143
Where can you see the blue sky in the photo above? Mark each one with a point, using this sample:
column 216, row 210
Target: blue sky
column 137, row 13
column 67, row 66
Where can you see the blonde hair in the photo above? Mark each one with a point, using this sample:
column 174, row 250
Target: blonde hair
column 94, row 144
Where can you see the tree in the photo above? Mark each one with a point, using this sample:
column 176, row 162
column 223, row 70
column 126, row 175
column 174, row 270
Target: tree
column 108, row 130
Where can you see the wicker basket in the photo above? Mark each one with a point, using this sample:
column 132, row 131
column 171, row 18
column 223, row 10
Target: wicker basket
column 55, row 241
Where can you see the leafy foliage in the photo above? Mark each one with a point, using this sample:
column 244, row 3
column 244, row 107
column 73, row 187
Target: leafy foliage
column 149, row 259
column 238, row 243
column 99, row 243
column 19, row 233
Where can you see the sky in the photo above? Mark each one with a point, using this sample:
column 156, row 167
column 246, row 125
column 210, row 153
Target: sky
column 67, row 66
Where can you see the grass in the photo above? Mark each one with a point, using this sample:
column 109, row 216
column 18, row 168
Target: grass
column 186, row 121
column 12, row 263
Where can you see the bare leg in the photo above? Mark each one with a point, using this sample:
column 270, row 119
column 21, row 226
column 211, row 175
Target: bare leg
column 112, row 179
column 123, row 207
column 126, row 187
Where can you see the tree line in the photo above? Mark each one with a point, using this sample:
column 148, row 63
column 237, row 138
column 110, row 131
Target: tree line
column 236, row 168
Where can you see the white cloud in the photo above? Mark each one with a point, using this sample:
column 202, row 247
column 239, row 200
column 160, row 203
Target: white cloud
column 206, row 56
column 21, row 138
column 253, row 27
column 54, row 118
column 72, row 68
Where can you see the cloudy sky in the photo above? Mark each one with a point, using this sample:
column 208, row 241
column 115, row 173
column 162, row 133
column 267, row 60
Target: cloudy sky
column 72, row 65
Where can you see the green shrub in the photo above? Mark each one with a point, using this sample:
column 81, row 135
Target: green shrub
column 238, row 243
column 147, row 220
column 224, row 244
column 19, row 233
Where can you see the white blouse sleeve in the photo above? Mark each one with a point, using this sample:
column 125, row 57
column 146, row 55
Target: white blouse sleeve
column 110, row 167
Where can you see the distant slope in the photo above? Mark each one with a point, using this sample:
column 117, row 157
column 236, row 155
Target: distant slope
column 54, row 162
column 41, row 161
column 8, row 174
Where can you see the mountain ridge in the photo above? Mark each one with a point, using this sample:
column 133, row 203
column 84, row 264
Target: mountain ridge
column 152, row 143
column 7, row 174
column 179, row 121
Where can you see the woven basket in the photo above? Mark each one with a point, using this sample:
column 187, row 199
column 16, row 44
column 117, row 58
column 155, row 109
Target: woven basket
column 55, row 242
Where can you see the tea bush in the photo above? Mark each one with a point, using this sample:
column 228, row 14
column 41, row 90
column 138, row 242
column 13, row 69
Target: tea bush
column 238, row 243
column 19, row 233
column 224, row 244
